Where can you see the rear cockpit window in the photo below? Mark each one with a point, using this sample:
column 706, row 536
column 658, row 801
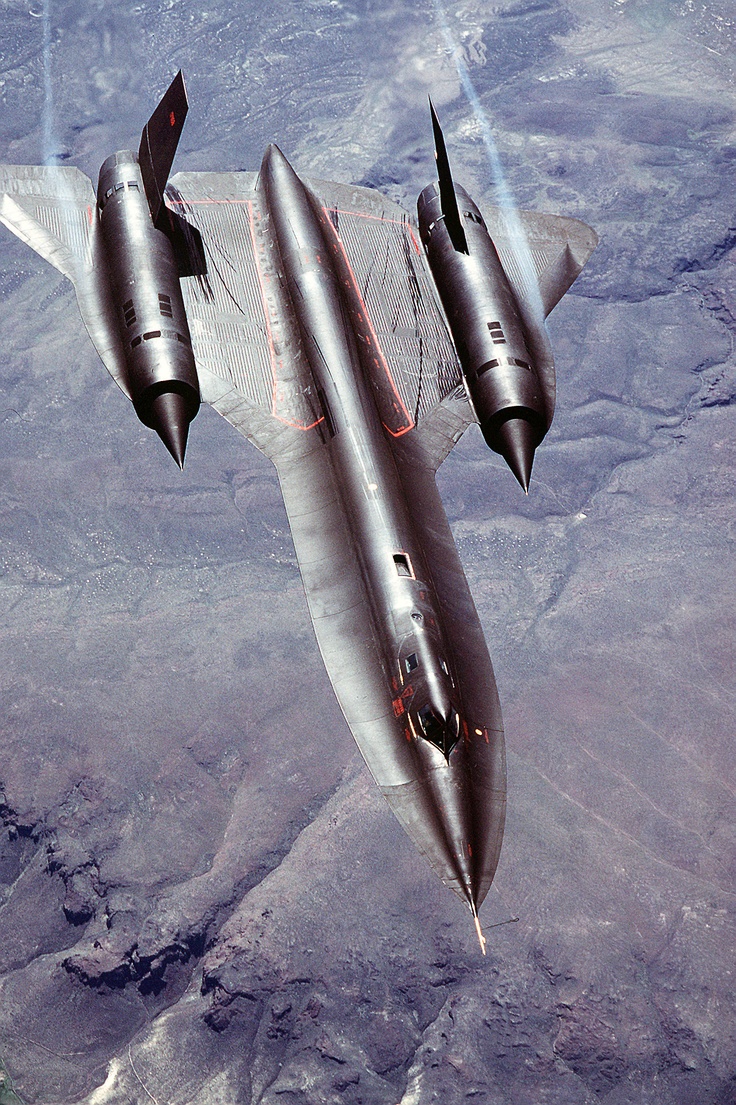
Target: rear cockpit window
column 442, row 734
column 411, row 662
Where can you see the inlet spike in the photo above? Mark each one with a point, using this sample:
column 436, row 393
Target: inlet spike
column 169, row 416
column 515, row 440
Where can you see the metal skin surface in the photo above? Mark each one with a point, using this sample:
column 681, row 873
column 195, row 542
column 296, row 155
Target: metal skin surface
column 148, row 305
column 321, row 340
column 406, row 620
column 488, row 330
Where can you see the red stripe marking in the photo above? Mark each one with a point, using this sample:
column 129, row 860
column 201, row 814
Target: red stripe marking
column 383, row 364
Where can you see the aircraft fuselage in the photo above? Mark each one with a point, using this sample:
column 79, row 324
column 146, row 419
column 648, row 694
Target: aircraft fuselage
column 407, row 621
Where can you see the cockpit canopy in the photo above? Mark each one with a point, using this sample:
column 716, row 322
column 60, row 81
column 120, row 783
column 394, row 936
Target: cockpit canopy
column 442, row 732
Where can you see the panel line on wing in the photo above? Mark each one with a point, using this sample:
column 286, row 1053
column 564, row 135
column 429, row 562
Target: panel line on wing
column 403, row 223
column 400, row 303
column 224, row 308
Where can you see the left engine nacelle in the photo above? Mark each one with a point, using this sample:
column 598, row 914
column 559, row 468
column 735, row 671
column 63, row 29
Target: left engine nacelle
column 144, row 280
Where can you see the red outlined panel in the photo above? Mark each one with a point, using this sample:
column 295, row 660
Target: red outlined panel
column 236, row 312
column 412, row 359
column 399, row 420
column 243, row 330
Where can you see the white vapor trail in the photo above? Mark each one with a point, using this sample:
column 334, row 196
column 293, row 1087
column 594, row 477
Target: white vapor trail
column 503, row 195
column 48, row 92
column 57, row 182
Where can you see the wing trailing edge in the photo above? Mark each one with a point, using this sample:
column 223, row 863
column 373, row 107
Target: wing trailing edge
column 559, row 249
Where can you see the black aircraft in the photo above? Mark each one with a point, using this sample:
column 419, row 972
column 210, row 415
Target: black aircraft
column 306, row 313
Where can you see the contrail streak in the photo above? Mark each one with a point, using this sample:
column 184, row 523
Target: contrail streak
column 503, row 195
column 48, row 92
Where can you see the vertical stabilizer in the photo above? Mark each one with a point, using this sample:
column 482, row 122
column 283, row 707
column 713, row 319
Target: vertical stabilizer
column 448, row 199
column 159, row 140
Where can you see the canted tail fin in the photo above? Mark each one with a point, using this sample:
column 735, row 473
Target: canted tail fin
column 448, row 199
column 159, row 140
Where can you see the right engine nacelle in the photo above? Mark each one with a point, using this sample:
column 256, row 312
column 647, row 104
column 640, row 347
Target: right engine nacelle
column 487, row 328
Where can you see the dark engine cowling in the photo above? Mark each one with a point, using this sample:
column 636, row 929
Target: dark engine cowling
column 162, row 377
column 486, row 326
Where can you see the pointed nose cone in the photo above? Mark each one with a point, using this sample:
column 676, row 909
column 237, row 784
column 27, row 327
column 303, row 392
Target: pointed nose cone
column 465, row 885
column 435, row 812
column 169, row 416
column 460, row 856
column 516, row 440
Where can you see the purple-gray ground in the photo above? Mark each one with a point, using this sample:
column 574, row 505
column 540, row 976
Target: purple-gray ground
column 203, row 897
